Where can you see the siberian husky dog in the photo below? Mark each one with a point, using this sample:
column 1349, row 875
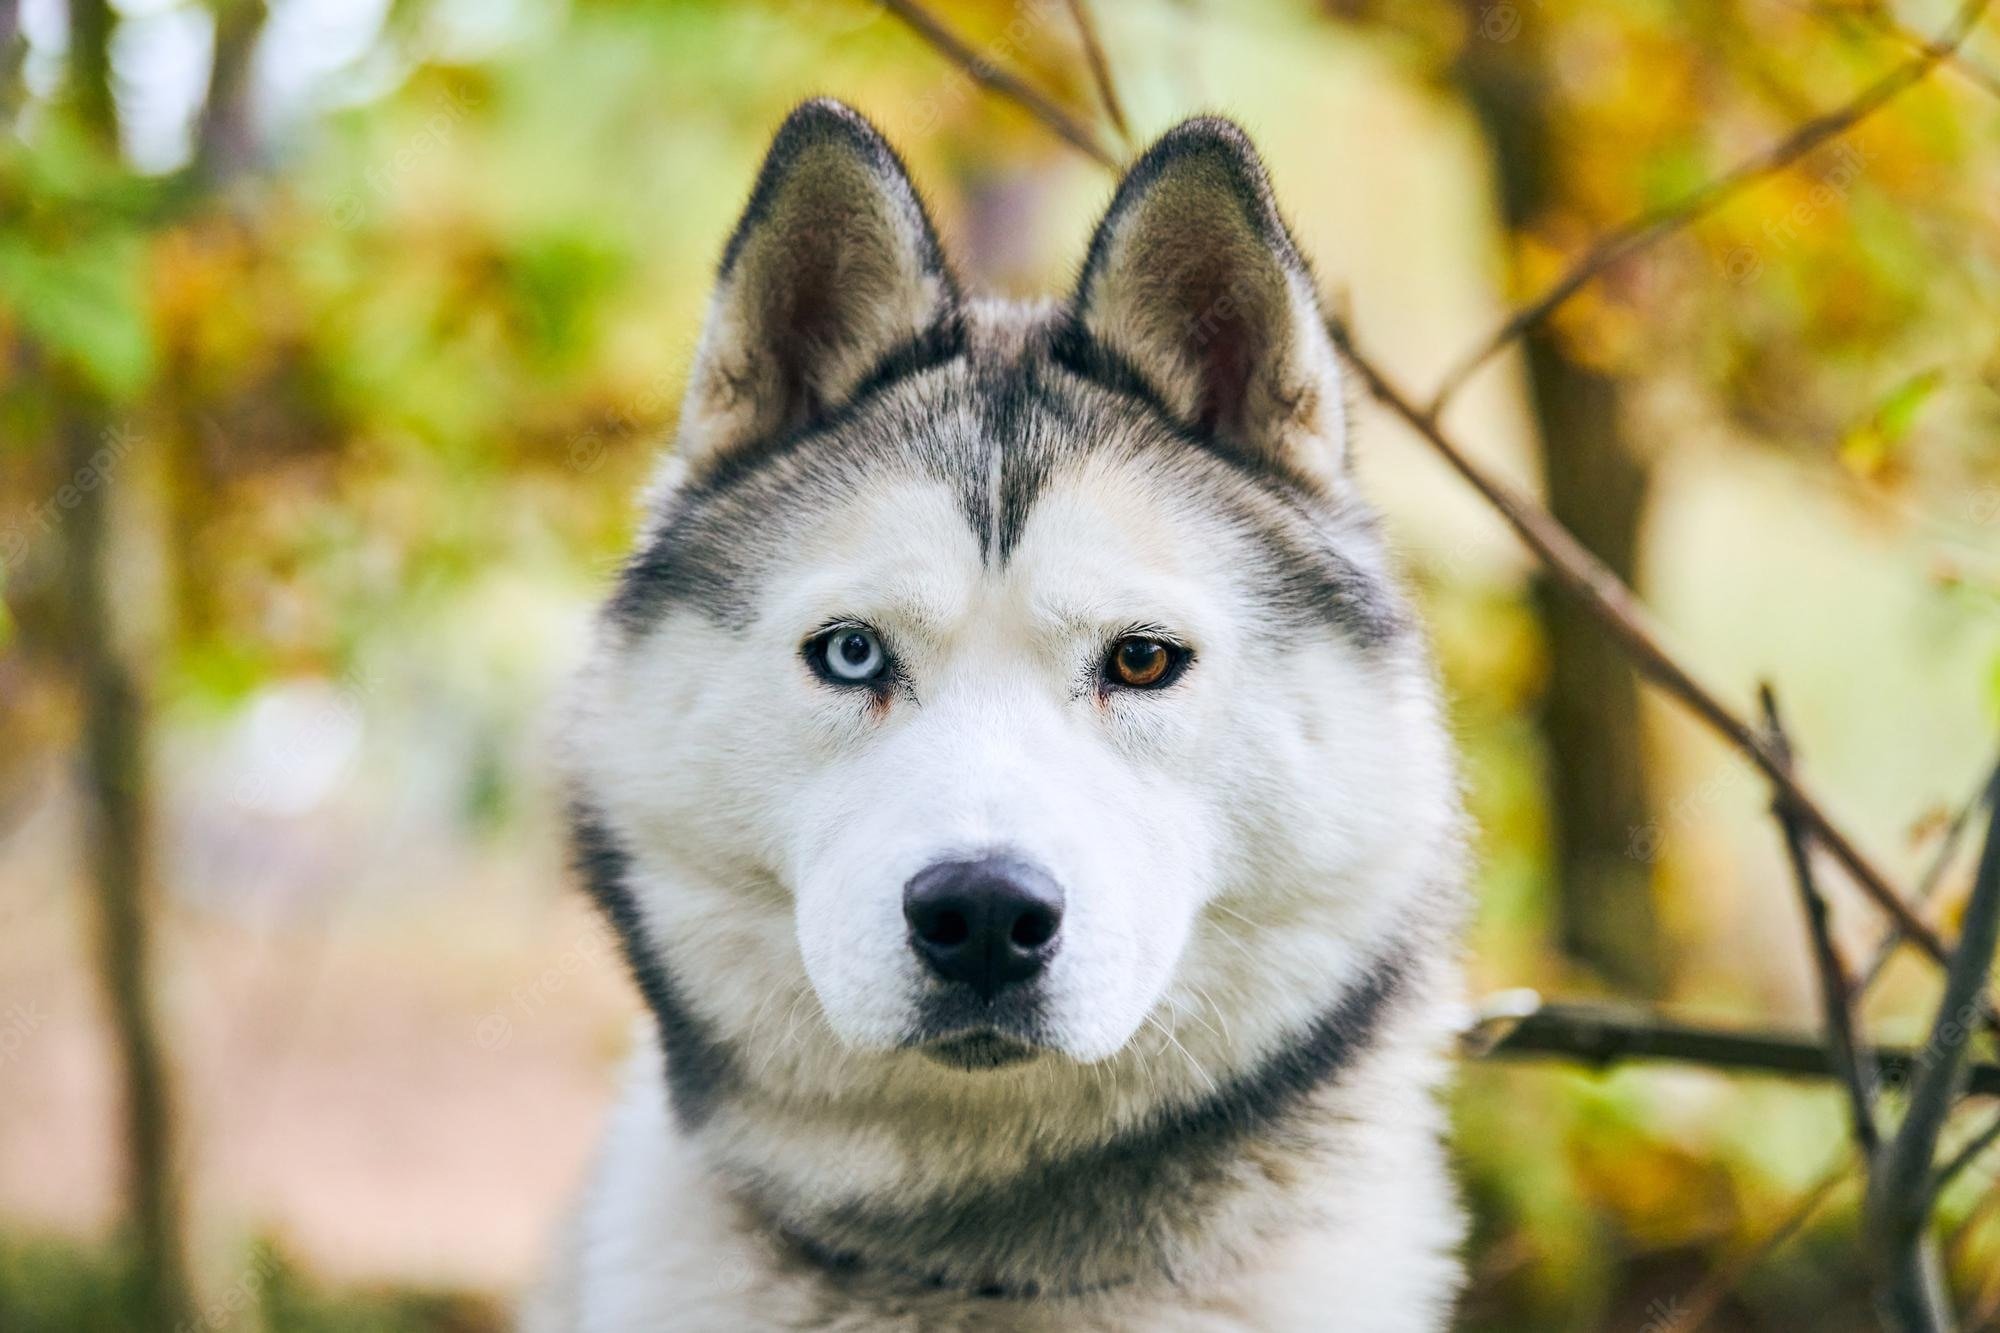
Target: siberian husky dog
column 1021, row 794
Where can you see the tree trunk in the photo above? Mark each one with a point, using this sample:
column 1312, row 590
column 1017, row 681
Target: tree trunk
column 113, row 800
column 225, row 142
column 113, row 777
column 1602, row 839
column 13, row 56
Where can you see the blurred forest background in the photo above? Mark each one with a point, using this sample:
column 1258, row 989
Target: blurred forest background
column 336, row 335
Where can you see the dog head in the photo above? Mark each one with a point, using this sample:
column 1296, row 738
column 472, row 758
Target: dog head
column 990, row 679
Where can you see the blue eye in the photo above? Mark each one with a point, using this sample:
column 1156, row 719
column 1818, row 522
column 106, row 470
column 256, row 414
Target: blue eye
column 850, row 655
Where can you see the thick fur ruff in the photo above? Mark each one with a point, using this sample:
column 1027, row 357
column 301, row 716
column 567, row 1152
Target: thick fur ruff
column 1212, row 1101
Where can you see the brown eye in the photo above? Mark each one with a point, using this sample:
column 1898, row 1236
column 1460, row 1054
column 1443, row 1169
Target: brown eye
column 1143, row 663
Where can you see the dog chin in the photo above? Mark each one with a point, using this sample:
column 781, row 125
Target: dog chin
column 977, row 1052
column 960, row 1032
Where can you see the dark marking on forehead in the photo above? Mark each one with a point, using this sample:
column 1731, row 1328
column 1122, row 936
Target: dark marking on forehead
column 1311, row 580
column 1027, row 424
column 997, row 407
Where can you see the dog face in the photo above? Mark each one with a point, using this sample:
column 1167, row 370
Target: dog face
column 985, row 668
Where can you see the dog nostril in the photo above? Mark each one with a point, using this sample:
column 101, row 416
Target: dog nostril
column 1033, row 929
column 945, row 928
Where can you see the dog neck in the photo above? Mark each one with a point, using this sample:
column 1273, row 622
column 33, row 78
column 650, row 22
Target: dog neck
column 1156, row 1200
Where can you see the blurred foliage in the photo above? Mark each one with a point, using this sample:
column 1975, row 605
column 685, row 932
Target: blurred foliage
column 399, row 376
column 48, row 1287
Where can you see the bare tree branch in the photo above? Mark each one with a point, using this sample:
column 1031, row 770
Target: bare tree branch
column 1601, row 1035
column 1988, row 1203
column 1644, row 230
column 1913, row 1291
column 1986, row 1308
column 1857, row 1071
column 1933, row 876
column 1619, row 609
column 1702, row 1303
column 1900, row 1197
column 1879, row 17
column 994, row 79
column 1100, row 68
column 1572, row 565
column 1971, row 1151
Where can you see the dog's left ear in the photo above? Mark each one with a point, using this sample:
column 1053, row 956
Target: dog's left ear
column 1194, row 283
column 833, row 269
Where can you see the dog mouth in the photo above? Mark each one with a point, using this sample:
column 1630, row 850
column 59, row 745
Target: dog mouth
column 981, row 1050
column 960, row 1031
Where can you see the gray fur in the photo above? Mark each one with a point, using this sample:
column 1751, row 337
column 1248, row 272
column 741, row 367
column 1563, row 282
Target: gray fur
column 996, row 419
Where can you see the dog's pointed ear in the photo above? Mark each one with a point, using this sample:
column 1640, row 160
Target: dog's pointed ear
column 833, row 269
column 1194, row 283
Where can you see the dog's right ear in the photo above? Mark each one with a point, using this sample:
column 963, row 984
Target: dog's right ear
column 833, row 269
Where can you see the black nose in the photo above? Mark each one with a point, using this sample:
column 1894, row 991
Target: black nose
column 988, row 922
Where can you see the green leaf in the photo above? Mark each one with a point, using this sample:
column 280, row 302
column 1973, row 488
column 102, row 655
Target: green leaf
column 85, row 305
column 1871, row 446
column 1898, row 412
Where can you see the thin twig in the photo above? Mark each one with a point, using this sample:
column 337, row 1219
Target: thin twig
column 1857, row 1073
column 1927, row 885
column 1879, row 17
column 1642, row 231
column 1602, row 1035
column 994, row 79
column 1984, row 1309
column 1100, row 68
column 1961, row 1235
column 1973, row 1149
column 1618, row 608
column 1900, row 1195
column 1702, row 1303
